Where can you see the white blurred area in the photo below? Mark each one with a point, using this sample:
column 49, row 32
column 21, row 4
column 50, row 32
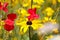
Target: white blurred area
column 47, row 28
column 55, row 37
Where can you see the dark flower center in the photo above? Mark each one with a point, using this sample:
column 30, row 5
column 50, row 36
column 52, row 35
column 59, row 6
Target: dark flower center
column 29, row 23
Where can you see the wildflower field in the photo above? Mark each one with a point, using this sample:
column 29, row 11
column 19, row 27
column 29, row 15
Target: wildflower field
column 29, row 19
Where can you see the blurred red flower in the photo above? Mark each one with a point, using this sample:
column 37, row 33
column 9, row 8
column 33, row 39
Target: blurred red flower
column 4, row 7
column 33, row 14
column 9, row 22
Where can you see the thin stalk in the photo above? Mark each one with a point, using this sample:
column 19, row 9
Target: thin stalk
column 30, row 33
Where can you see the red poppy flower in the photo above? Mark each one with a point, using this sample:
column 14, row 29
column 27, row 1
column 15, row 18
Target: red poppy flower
column 8, row 27
column 12, row 16
column 9, row 22
column 33, row 14
column 4, row 7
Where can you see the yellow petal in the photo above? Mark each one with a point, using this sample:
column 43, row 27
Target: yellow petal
column 24, row 12
column 23, row 29
column 59, row 1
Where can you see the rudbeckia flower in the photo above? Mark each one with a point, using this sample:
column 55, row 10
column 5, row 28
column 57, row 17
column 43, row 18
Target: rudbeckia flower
column 4, row 7
column 26, row 24
column 12, row 16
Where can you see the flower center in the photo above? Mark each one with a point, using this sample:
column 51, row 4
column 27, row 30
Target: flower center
column 29, row 23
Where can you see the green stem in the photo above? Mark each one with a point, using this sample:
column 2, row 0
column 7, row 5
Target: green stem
column 30, row 33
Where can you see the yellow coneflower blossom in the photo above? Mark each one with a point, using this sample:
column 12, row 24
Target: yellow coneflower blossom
column 35, row 24
column 49, row 11
column 38, row 1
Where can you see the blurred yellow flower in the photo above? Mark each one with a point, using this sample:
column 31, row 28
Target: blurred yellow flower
column 46, row 18
column 1, row 0
column 23, row 12
column 49, row 11
column 1, row 22
column 53, row 21
column 35, row 6
column 38, row 1
column 26, row 3
column 14, row 3
column 54, row 2
column 1, row 39
column 35, row 24
column 55, row 30
column 59, row 1
column 8, row 1
column 48, row 37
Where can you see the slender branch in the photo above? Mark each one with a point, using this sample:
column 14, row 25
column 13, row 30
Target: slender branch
column 30, row 33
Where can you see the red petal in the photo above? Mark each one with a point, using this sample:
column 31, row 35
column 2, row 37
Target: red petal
column 32, row 11
column 5, row 9
column 0, row 6
column 12, row 16
column 33, row 16
column 5, row 5
column 9, row 22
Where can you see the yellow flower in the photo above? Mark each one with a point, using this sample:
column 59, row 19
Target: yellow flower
column 8, row 1
column 46, row 18
column 38, row 1
column 55, row 30
column 14, row 3
column 1, row 39
column 1, row 22
column 35, row 6
column 26, row 3
column 49, row 11
column 1, row 0
column 53, row 21
column 54, row 2
column 23, row 12
column 50, row 36
column 35, row 24
column 59, row 1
